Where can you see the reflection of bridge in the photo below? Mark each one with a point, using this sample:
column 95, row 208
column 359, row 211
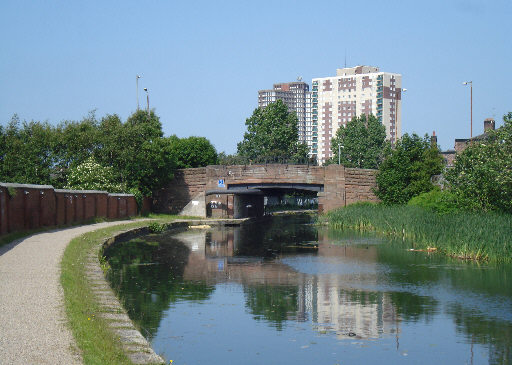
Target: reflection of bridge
column 237, row 191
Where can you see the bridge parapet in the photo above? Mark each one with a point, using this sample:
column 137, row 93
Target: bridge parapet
column 341, row 186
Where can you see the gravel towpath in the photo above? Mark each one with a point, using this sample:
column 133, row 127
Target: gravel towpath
column 32, row 317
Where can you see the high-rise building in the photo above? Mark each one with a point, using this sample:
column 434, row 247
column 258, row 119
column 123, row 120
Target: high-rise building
column 335, row 100
column 295, row 95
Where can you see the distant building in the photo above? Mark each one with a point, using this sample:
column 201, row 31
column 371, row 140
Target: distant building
column 461, row 143
column 297, row 97
column 335, row 100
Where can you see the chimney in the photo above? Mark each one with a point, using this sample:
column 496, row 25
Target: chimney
column 433, row 138
column 489, row 125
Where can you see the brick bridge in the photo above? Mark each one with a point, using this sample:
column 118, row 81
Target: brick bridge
column 227, row 191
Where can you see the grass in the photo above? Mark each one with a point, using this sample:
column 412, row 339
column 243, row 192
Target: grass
column 97, row 343
column 476, row 236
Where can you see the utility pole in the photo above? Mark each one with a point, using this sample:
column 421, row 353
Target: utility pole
column 147, row 97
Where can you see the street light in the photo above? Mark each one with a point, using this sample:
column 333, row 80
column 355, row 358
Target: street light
column 339, row 153
column 147, row 97
column 137, row 82
column 471, row 86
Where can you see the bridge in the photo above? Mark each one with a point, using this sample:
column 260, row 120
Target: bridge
column 237, row 191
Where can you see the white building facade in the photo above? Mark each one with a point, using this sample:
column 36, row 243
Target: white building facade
column 296, row 96
column 353, row 91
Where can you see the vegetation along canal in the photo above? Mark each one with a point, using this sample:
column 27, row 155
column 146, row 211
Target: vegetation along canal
column 290, row 292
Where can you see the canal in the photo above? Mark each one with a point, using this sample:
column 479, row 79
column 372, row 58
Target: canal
column 290, row 292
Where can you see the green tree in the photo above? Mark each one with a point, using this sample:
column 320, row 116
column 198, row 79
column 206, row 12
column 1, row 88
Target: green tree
column 90, row 175
column 360, row 143
column 407, row 169
column 193, row 152
column 75, row 142
column 27, row 152
column 482, row 174
column 146, row 160
column 110, row 142
column 272, row 132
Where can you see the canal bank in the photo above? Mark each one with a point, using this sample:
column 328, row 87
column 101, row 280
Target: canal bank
column 482, row 236
column 103, row 332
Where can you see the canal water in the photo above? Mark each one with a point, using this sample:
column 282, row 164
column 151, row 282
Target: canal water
column 290, row 292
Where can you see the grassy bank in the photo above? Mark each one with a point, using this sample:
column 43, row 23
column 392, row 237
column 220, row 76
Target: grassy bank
column 96, row 341
column 93, row 336
column 479, row 236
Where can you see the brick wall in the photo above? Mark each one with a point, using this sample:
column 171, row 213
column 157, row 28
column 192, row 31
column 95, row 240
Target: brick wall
column 185, row 185
column 342, row 185
column 24, row 206
column 359, row 185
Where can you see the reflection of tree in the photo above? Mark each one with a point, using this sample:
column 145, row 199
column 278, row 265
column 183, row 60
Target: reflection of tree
column 481, row 329
column 412, row 307
column 275, row 304
column 147, row 276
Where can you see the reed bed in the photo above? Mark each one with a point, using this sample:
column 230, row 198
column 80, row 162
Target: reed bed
column 466, row 235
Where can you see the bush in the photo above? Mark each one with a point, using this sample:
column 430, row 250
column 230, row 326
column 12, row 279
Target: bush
column 155, row 227
column 407, row 169
column 441, row 202
column 482, row 175
column 90, row 175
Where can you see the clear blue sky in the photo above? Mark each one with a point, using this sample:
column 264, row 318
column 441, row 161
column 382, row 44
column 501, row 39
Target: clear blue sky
column 204, row 61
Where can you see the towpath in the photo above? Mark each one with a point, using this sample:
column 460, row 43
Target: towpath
column 33, row 326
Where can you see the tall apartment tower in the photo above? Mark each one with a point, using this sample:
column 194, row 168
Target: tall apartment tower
column 354, row 91
column 295, row 95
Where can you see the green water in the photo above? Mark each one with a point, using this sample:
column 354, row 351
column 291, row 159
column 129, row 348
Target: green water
column 265, row 294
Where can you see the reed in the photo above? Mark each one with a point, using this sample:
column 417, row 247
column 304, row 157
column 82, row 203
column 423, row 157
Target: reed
column 476, row 236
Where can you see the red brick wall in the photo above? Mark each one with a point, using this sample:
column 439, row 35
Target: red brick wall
column 24, row 206
column 101, row 205
column 60, row 208
column 16, row 210
column 122, row 208
column 359, row 185
column 89, row 206
column 187, row 183
column 132, row 206
column 112, row 207
column 4, row 219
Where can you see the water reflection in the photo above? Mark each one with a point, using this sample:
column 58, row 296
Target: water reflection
column 344, row 285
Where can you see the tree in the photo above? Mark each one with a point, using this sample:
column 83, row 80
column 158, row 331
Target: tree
column 27, row 152
column 75, row 141
column 407, row 169
column 193, row 152
column 360, row 143
column 272, row 132
column 146, row 160
column 90, row 175
column 482, row 174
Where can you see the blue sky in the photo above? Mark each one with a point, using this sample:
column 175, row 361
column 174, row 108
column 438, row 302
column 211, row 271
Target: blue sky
column 204, row 61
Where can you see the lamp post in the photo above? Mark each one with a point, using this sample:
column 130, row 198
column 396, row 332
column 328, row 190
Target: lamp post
column 147, row 98
column 471, row 86
column 339, row 153
column 137, row 82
